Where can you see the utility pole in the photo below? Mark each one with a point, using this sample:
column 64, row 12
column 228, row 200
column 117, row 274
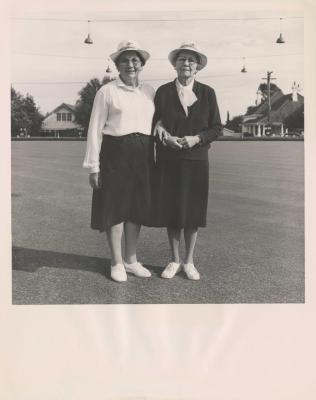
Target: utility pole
column 268, row 79
column 228, row 120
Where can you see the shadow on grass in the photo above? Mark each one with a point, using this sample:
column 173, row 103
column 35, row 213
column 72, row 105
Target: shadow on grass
column 31, row 260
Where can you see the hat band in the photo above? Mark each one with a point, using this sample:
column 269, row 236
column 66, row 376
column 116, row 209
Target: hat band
column 127, row 48
column 189, row 48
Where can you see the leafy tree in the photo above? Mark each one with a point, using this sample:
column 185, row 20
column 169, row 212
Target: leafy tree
column 295, row 121
column 250, row 109
column 263, row 87
column 35, row 116
column 235, row 123
column 84, row 104
column 24, row 114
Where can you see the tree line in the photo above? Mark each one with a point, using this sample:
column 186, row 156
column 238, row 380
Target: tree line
column 26, row 119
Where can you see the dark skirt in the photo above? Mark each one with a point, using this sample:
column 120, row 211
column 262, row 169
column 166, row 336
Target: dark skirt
column 180, row 193
column 126, row 163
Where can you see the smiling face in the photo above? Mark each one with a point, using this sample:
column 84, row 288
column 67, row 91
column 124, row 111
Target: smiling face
column 186, row 64
column 129, row 66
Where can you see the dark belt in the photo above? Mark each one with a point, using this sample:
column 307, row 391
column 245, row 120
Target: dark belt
column 124, row 136
column 137, row 134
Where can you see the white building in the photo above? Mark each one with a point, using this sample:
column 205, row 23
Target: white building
column 256, row 122
column 61, row 122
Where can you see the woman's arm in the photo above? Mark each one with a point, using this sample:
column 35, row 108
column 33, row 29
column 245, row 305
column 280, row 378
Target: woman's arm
column 98, row 118
column 215, row 126
column 159, row 132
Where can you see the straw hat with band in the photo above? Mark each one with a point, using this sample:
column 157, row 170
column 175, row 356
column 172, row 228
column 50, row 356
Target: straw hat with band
column 130, row 45
column 192, row 47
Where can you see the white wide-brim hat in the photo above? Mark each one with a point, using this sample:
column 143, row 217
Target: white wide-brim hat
column 129, row 45
column 189, row 46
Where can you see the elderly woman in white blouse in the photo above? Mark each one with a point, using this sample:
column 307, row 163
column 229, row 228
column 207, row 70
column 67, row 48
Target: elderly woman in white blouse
column 119, row 156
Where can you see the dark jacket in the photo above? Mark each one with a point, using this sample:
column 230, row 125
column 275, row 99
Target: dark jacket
column 203, row 119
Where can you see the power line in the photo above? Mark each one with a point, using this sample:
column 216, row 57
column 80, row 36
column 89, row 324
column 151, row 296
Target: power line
column 156, row 19
column 49, row 83
column 155, row 59
column 143, row 80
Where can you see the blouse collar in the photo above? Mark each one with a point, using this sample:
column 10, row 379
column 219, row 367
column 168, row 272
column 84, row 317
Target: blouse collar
column 120, row 83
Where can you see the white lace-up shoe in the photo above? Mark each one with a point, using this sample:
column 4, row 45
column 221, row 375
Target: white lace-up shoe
column 137, row 269
column 191, row 272
column 170, row 270
column 118, row 273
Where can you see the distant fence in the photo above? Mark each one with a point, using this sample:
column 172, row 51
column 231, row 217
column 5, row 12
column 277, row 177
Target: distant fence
column 221, row 138
column 48, row 139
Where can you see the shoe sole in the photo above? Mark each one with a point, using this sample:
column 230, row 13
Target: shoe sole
column 117, row 280
column 193, row 279
column 133, row 272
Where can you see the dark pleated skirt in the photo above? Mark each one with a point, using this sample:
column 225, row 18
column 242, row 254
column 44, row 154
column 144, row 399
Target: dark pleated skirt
column 180, row 193
column 126, row 164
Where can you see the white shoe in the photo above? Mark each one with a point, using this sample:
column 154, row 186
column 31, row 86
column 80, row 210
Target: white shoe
column 170, row 270
column 191, row 272
column 118, row 273
column 137, row 269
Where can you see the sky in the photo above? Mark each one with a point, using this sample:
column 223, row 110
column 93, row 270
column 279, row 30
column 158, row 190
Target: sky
column 50, row 60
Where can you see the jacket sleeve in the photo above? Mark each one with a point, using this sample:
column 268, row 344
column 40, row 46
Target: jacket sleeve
column 214, row 121
column 157, row 113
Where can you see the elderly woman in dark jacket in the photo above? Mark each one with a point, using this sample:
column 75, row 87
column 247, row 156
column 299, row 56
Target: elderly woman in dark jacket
column 186, row 121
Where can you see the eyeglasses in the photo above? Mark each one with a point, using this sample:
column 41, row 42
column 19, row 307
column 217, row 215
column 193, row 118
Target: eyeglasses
column 190, row 60
column 127, row 61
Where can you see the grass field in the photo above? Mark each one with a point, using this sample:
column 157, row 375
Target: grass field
column 251, row 252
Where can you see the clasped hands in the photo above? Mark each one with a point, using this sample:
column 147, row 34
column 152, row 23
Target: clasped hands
column 175, row 142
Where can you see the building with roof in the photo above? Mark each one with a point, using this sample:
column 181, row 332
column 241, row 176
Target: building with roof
column 61, row 122
column 230, row 133
column 283, row 108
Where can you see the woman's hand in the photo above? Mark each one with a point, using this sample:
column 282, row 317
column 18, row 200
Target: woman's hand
column 165, row 138
column 189, row 141
column 95, row 180
column 172, row 141
column 160, row 132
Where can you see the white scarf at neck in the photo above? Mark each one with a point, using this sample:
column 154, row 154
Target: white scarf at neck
column 186, row 95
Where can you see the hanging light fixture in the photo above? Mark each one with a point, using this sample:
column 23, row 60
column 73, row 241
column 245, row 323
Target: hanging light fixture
column 243, row 70
column 88, row 39
column 280, row 39
column 108, row 69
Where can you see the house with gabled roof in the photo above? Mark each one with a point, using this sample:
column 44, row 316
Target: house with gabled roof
column 283, row 106
column 61, row 122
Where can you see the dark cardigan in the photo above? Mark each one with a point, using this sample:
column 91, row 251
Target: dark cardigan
column 203, row 119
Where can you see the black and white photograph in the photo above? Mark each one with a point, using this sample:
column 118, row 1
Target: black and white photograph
column 157, row 217
column 157, row 157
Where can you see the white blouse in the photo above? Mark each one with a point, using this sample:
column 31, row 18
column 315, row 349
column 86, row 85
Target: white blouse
column 118, row 110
